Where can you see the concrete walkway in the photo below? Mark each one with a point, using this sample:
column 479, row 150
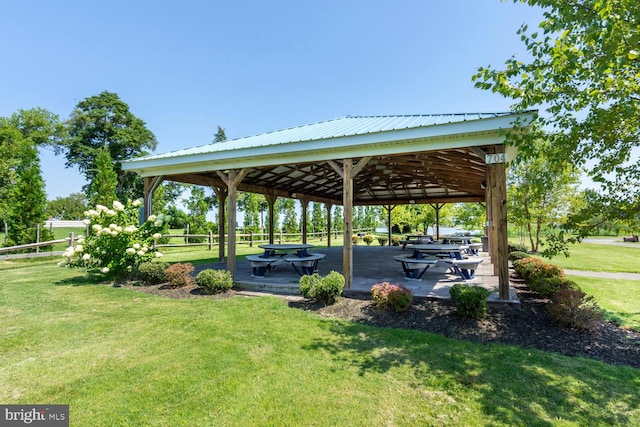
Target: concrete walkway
column 371, row 265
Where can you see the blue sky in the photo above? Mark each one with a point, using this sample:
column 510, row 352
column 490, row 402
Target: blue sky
column 251, row 66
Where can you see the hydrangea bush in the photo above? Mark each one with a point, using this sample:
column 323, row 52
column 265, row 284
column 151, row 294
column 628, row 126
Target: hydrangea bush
column 116, row 243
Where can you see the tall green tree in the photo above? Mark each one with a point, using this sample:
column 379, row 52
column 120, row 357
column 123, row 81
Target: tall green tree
column 102, row 188
column 198, row 206
column 287, row 207
column 583, row 71
column 70, row 207
column 250, row 204
column 318, row 217
column 28, row 199
column 104, row 121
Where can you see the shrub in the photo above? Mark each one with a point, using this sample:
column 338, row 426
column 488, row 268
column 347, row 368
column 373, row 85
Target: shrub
column 396, row 297
column 326, row 289
column 547, row 287
column 215, row 280
column 395, row 241
column 153, row 273
column 573, row 308
column 382, row 240
column 368, row 239
column 116, row 243
column 470, row 301
column 355, row 239
column 518, row 248
column 533, row 269
column 516, row 255
column 179, row 274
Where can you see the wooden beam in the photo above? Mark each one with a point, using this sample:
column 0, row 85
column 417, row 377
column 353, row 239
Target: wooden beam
column 271, row 200
column 150, row 184
column 335, row 167
column 305, row 204
column 221, row 194
column 328, row 206
column 347, row 202
column 232, row 178
column 500, row 215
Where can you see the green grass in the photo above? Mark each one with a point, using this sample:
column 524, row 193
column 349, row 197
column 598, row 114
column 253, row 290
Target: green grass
column 598, row 257
column 620, row 299
column 119, row 357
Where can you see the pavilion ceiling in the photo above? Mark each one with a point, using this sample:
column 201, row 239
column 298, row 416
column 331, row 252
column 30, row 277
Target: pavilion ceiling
column 452, row 175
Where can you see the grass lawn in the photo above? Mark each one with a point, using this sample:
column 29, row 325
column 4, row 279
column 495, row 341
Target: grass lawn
column 620, row 299
column 600, row 257
column 119, row 357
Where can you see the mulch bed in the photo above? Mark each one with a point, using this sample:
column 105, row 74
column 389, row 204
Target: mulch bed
column 527, row 326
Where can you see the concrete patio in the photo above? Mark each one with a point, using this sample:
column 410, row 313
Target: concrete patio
column 372, row 265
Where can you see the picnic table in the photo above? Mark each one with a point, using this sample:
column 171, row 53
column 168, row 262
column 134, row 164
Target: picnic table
column 276, row 253
column 416, row 239
column 438, row 249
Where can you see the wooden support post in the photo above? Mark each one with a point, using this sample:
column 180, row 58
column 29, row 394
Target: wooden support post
column 271, row 200
column 232, row 178
column 150, row 184
column 389, row 208
column 221, row 194
column 328, row 206
column 305, row 205
column 500, row 215
column 347, row 202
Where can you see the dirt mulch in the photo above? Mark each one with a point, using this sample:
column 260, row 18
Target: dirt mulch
column 527, row 326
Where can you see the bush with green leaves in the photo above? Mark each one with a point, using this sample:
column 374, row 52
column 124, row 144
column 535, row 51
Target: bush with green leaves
column 368, row 239
column 179, row 274
column 153, row 273
column 532, row 269
column 573, row 308
column 355, row 239
column 396, row 297
column 117, row 243
column 547, row 287
column 215, row 280
column 516, row 255
column 326, row 289
column 382, row 240
column 518, row 248
column 470, row 301
column 395, row 241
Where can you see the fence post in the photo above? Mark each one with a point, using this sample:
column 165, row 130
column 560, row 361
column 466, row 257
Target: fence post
column 210, row 240
column 37, row 238
column 6, row 233
column 280, row 236
column 251, row 239
column 70, row 244
column 186, row 236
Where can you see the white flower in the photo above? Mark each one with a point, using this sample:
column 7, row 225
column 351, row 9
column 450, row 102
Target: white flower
column 113, row 226
column 152, row 218
column 92, row 213
column 157, row 236
column 114, row 233
column 130, row 229
column 137, row 203
column 69, row 252
column 96, row 227
column 101, row 208
column 86, row 257
column 110, row 212
column 79, row 248
column 86, row 221
column 141, row 252
column 105, row 232
column 136, row 246
column 131, row 251
column 80, row 240
column 118, row 206
column 104, row 270
column 159, row 254
column 157, row 223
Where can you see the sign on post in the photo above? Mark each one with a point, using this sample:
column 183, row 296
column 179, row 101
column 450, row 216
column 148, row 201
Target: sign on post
column 495, row 158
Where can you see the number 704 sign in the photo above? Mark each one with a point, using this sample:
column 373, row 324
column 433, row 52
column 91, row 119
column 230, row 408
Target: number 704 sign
column 495, row 158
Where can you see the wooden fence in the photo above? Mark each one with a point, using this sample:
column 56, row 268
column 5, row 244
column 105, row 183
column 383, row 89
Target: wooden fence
column 209, row 240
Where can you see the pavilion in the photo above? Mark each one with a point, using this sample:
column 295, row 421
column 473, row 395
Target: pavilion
column 357, row 160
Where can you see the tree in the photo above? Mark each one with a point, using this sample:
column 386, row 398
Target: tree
column 584, row 68
column 318, row 217
column 102, row 189
column 220, row 135
column 198, row 206
column 470, row 215
column 104, row 121
column 71, row 207
column 28, row 199
column 538, row 195
column 250, row 204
